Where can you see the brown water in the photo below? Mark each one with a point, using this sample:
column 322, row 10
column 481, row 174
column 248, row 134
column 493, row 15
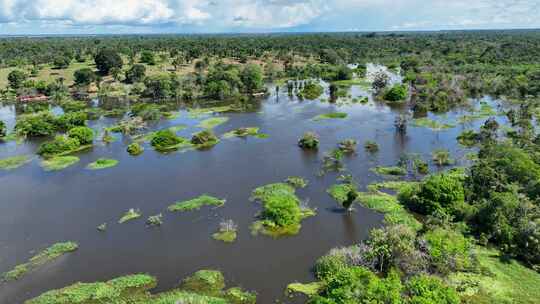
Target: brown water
column 39, row 208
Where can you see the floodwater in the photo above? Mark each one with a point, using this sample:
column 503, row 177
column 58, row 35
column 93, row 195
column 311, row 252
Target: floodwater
column 39, row 208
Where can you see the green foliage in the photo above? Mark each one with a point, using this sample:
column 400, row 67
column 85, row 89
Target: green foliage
column 164, row 140
column 309, row 140
column 58, row 146
column 106, row 60
column 135, row 149
column 390, row 206
column 425, row 289
column 102, row 163
column 371, row 146
column 296, row 181
column 309, row 289
column 155, row 220
column 84, row 76
column 332, row 115
column 59, row 162
column 14, row 162
column 3, row 129
column 85, row 135
column 204, row 139
column 34, row 125
column 311, row 91
column 395, row 171
column 252, row 78
column 16, row 79
column 396, row 93
column 213, row 122
column 432, row 124
column 209, row 282
column 73, row 106
column 226, row 232
column 136, row 73
column 61, row 62
column 441, row 157
column 131, row 214
column 148, row 57
column 348, row 146
column 70, row 120
column 197, row 203
column 236, row 295
column 449, row 250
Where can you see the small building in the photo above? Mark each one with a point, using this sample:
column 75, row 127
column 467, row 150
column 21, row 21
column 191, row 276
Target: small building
column 32, row 98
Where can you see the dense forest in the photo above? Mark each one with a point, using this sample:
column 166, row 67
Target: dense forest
column 451, row 234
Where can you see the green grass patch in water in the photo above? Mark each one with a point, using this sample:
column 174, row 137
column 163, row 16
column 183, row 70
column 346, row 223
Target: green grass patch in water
column 14, row 162
column 212, row 122
column 245, row 132
column 59, row 162
column 332, row 115
column 225, row 236
column 47, row 255
column 297, row 181
column 196, row 203
column 392, row 171
column 308, row 289
column 339, row 192
column 131, row 214
column 102, row 163
column 432, row 124
column 390, row 185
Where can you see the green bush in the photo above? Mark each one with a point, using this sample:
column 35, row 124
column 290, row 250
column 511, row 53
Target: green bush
column 85, row 135
column 396, row 93
column 209, row 282
column 309, row 140
column 135, row 149
column 70, row 120
column 3, row 129
column 449, row 250
column 164, row 139
column 35, row 125
column 282, row 210
column 60, row 144
column 204, row 139
column 425, row 289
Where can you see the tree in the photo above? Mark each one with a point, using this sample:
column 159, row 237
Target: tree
column 115, row 72
column 425, row 289
column 148, row 57
column 3, row 129
column 136, row 73
column 106, row 59
column 61, row 62
column 16, row 79
column 252, row 78
column 158, row 87
column 84, row 76
column 85, row 135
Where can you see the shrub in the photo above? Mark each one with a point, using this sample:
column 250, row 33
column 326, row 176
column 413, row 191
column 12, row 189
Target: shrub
column 136, row 73
column 60, row 145
column 309, row 140
column 204, row 139
column 3, row 129
column 396, row 93
column 449, row 250
column 84, row 76
column 311, row 91
column 106, row 60
column 164, row 139
column 135, row 149
column 85, row 135
column 34, row 125
column 148, row 58
column 425, row 289
column 283, row 210
column 371, row 146
column 71, row 120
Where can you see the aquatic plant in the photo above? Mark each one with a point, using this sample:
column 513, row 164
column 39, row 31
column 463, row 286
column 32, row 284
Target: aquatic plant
column 244, row 132
column 309, row 289
column 14, row 162
column 441, row 157
column 165, row 140
column 310, row 140
column 431, row 124
column 102, row 227
column 197, row 203
column 236, row 295
column 204, row 139
column 135, row 149
column 469, row 138
column 311, row 91
column 340, row 192
column 371, row 146
column 213, row 122
column 394, row 212
column 58, row 162
column 227, row 231
column 390, row 170
column 47, row 255
column 348, row 146
column 421, row 166
column 398, row 92
column 131, row 214
column 107, row 138
column 296, row 181
column 102, row 163
column 3, row 129
column 85, row 135
column 155, row 220
column 332, row 115
column 209, row 282
column 58, row 146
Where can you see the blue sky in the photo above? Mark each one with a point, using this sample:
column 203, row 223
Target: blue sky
column 218, row 16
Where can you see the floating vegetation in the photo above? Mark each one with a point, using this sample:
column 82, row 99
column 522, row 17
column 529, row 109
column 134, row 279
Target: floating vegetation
column 213, row 122
column 431, row 124
column 102, row 163
column 166, row 140
column 155, row 220
column 468, row 138
column 107, row 138
column 60, row 145
column 131, row 214
column 340, row 192
column 282, row 211
column 102, row 227
column 135, row 149
column 227, row 231
column 371, row 146
column 308, row 289
column 59, row 162
column 332, row 115
column 196, row 112
column 348, row 146
column 49, row 254
column 310, row 140
column 129, row 125
column 14, row 162
column 297, row 181
column 388, row 204
column 204, row 139
column 197, row 203
column 395, row 171
column 244, row 132
column 441, row 157
column 421, row 166
column 390, row 185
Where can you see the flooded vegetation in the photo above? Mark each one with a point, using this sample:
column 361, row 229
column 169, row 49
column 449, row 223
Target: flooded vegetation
column 389, row 179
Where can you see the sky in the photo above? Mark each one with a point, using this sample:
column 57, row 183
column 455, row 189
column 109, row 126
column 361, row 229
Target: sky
column 225, row 16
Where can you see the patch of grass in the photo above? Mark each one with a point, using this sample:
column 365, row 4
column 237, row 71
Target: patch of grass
column 131, row 214
column 213, row 122
column 244, row 132
column 14, row 162
column 308, row 289
column 356, row 81
column 197, row 203
column 394, row 171
column 59, row 162
column 227, row 231
column 394, row 213
column 155, row 220
column 390, row 185
column 49, row 254
column 339, row 192
column 297, row 181
column 102, row 163
column 196, row 112
column 501, row 281
column 431, row 124
column 209, row 282
column 332, row 115
column 204, row 139
column 236, row 295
